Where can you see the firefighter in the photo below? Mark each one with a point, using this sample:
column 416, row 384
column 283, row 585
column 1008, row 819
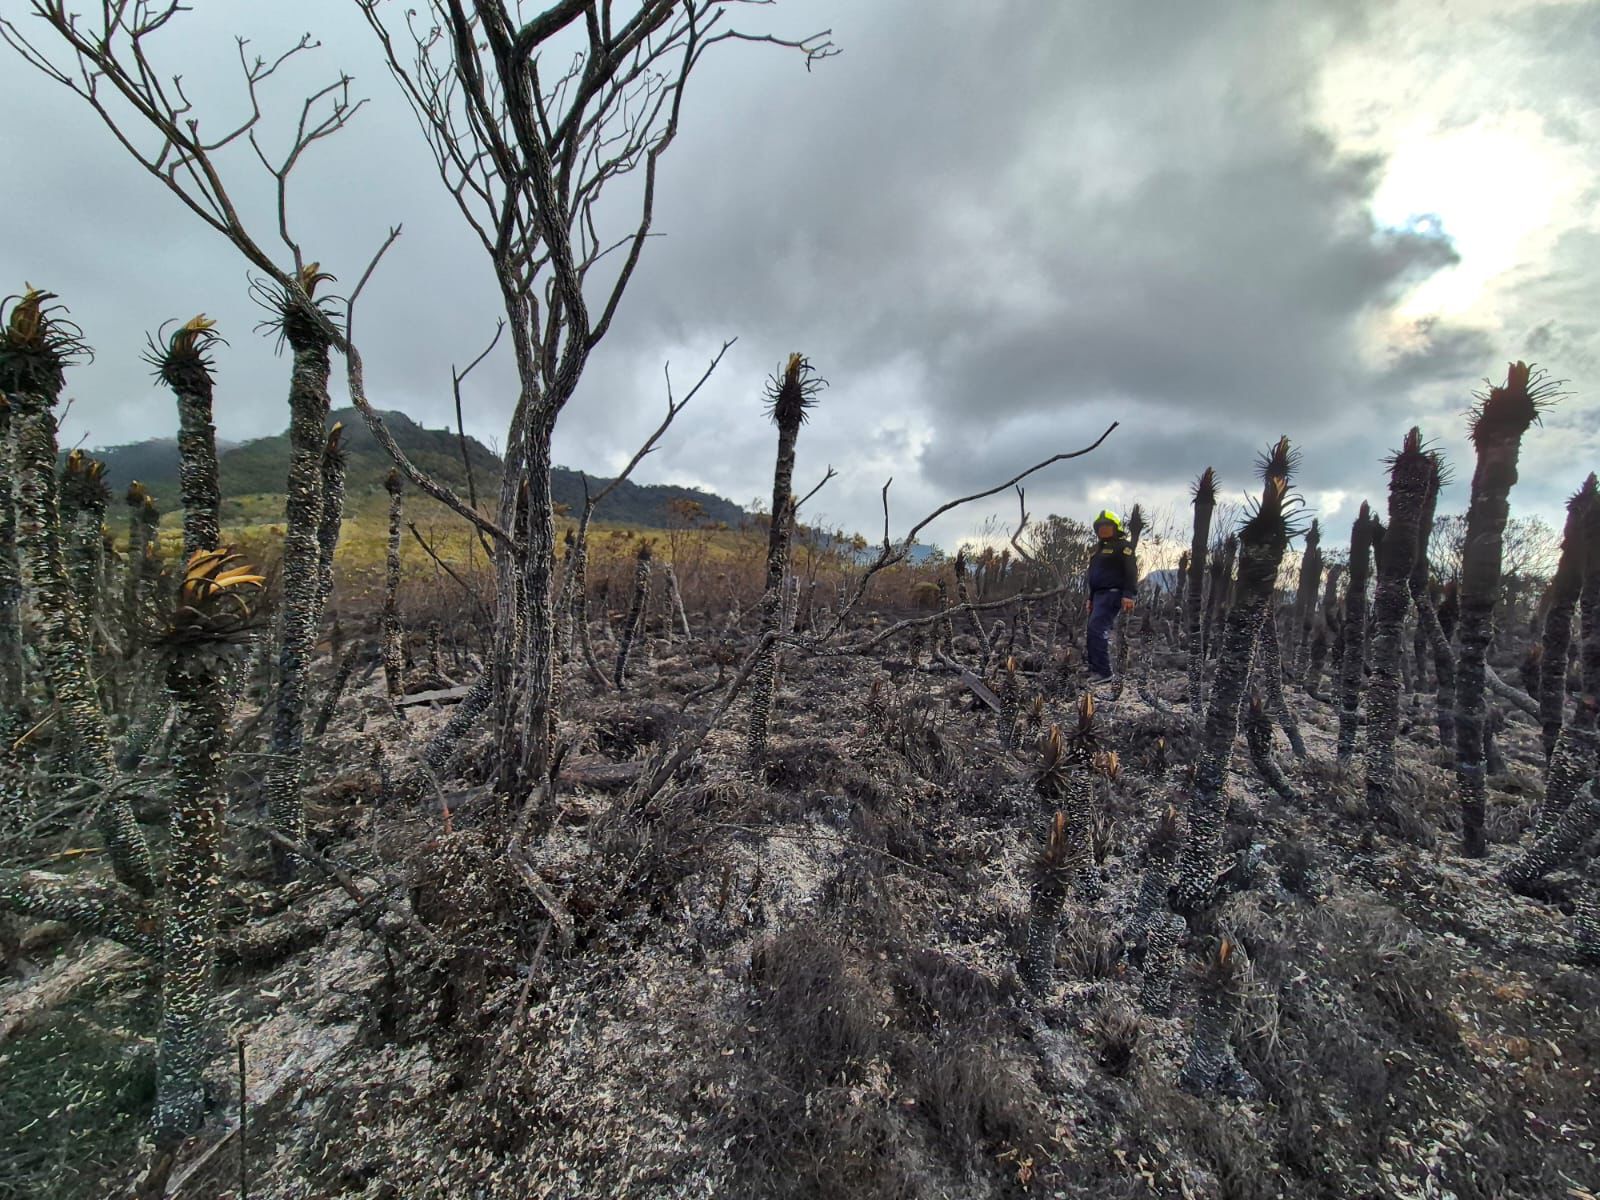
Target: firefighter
column 1112, row 584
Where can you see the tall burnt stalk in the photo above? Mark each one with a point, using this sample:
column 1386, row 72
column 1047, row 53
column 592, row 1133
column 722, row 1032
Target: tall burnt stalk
column 1305, row 596
column 297, row 614
column 184, row 365
column 1084, row 760
column 1205, row 503
column 1269, row 670
column 10, row 583
column 35, row 345
column 1262, row 543
column 1501, row 419
column 789, row 396
column 1124, row 627
column 947, row 627
column 1573, row 762
column 394, row 663
column 964, row 596
column 635, row 623
column 1423, row 639
column 1258, row 736
column 1410, row 471
column 1010, row 704
column 138, row 500
column 331, row 519
column 212, row 618
column 1053, row 870
column 84, row 499
column 1325, row 630
column 1219, row 986
column 1353, row 630
column 1219, row 599
column 1159, row 851
column 1565, row 589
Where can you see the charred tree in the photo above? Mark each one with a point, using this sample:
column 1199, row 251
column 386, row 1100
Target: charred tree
column 212, row 619
column 1410, row 471
column 634, row 625
column 331, row 519
column 36, row 343
column 1503, row 416
column 1305, row 599
column 394, row 663
column 1205, row 502
column 1565, row 588
column 1352, row 660
column 789, row 397
column 1262, row 543
column 1212, row 1065
column 308, row 339
column 183, row 363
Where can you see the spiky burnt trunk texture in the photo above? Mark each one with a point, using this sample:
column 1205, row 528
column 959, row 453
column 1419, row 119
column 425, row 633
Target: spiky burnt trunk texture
column 1211, row 1065
column 1305, row 597
column 1219, row 596
column 1010, row 704
column 1497, row 428
column 1262, row 543
column 1269, row 670
column 1205, row 503
column 1258, row 736
column 1565, row 588
column 394, row 663
column 297, row 615
column 1354, row 630
column 1325, row 629
column 1159, row 852
column 212, row 616
column 635, row 623
column 331, row 519
column 789, row 396
column 1160, row 962
column 11, row 694
column 341, row 679
column 1577, row 749
column 1409, row 474
column 1061, row 857
column 184, row 367
column 84, row 498
column 33, row 348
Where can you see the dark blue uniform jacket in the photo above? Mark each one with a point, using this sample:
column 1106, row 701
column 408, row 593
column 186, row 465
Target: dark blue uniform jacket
column 1113, row 567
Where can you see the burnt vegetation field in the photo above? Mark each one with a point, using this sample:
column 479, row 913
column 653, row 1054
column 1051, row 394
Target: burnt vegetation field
column 568, row 858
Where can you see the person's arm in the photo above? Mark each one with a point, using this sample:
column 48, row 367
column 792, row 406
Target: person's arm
column 1130, row 578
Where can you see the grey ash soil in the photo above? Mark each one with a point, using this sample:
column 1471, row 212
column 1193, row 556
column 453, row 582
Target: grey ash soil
column 809, row 989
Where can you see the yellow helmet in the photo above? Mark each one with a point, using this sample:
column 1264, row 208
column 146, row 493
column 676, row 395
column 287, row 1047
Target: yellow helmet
column 1107, row 517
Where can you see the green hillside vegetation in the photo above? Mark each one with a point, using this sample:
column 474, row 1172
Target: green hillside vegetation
column 253, row 476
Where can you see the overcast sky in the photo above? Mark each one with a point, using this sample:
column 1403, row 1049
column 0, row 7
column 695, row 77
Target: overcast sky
column 994, row 227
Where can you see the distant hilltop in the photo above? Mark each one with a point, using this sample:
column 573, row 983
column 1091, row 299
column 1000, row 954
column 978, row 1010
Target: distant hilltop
column 259, row 468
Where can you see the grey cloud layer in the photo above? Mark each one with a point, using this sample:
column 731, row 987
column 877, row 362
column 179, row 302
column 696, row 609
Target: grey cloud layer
column 994, row 227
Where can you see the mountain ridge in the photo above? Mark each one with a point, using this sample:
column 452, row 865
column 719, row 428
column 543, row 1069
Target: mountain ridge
column 259, row 466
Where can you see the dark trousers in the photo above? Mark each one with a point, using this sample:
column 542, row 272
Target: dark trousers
column 1102, row 619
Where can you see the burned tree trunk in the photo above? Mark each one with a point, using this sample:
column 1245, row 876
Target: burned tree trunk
column 297, row 630
column 211, row 619
column 34, row 348
column 789, row 397
column 635, row 623
column 184, row 366
column 1218, row 599
column 1262, row 543
column 1205, row 502
column 1565, row 589
column 1354, row 629
column 1497, row 429
column 1305, row 599
column 84, row 497
column 331, row 520
column 1212, row 1065
column 394, row 663
column 1409, row 475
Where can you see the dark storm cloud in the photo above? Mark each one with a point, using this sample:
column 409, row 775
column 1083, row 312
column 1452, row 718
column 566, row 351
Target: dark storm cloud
column 994, row 227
